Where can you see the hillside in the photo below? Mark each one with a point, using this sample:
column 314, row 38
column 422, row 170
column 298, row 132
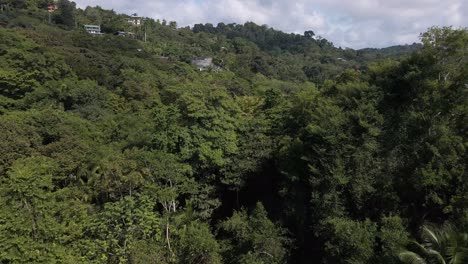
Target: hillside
column 370, row 54
column 275, row 148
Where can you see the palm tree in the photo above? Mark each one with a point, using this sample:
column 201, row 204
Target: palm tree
column 444, row 245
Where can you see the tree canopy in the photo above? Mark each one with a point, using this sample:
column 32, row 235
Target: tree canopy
column 286, row 149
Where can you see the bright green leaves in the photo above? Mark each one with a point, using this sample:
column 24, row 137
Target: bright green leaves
column 168, row 134
column 251, row 237
column 31, row 226
column 123, row 225
column 117, row 151
column 86, row 98
column 25, row 66
column 29, row 182
column 115, row 175
column 200, row 125
column 349, row 241
column 16, row 84
column 168, row 179
column 210, row 115
column 196, row 244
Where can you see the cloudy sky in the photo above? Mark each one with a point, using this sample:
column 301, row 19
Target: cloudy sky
column 347, row 23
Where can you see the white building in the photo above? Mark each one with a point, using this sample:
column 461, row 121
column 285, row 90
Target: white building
column 93, row 29
column 135, row 20
column 204, row 64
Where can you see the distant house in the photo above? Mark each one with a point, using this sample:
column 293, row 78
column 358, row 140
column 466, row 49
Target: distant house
column 204, row 64
column 51, row 7
column 125, row 34
column 135, row 20
column 93, row 29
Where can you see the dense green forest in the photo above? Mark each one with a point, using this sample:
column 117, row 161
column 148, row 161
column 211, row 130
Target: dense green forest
column 288, row 150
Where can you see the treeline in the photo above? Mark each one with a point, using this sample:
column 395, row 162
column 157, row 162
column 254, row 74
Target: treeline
column 116, row 150
column 266, row 38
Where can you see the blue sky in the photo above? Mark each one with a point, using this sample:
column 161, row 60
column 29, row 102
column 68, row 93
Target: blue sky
column 347, row 23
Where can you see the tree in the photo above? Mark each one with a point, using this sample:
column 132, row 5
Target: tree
column 25, row 65
column 31, row 225
column 443, row 245
column 423, row 112
column 67, row 13
column 196, row 244
column 350, row 242
column 309, row 34
column 391, row 237
column 253, row 236
column 122, row 226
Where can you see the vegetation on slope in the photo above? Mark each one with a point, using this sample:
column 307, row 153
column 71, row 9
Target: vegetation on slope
column 117, row 150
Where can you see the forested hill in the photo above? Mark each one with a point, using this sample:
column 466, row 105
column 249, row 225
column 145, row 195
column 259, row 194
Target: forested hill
column 371, row 54
column 274, row 148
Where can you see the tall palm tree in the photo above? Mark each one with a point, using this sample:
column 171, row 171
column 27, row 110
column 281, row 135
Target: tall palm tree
column 444, row 245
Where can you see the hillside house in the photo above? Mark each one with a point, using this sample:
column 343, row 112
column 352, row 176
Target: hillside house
column 93, row 29
column 204, row 64
column 125, row 34
column 135, row 20
column 51, row 7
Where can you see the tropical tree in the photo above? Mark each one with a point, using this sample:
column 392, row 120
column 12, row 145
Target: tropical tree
column 252, row 238
column 444, row 245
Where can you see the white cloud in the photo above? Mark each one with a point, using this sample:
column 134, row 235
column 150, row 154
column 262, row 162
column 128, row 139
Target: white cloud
column 347, row 23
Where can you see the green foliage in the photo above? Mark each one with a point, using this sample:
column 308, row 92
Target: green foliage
column 25, row 65
column 393, row 236
column 120, row 227
column 253, row 238
column 439, row 245
column 66, row 14
column 85, row 97
column 349, row 241
column 196, row 244
column 116, row 150
column 392, row 52
column 422, row 104
column 37, row 225
column 18, row 139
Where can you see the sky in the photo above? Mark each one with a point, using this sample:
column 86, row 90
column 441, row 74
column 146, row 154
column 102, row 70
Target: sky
column 347, row 23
